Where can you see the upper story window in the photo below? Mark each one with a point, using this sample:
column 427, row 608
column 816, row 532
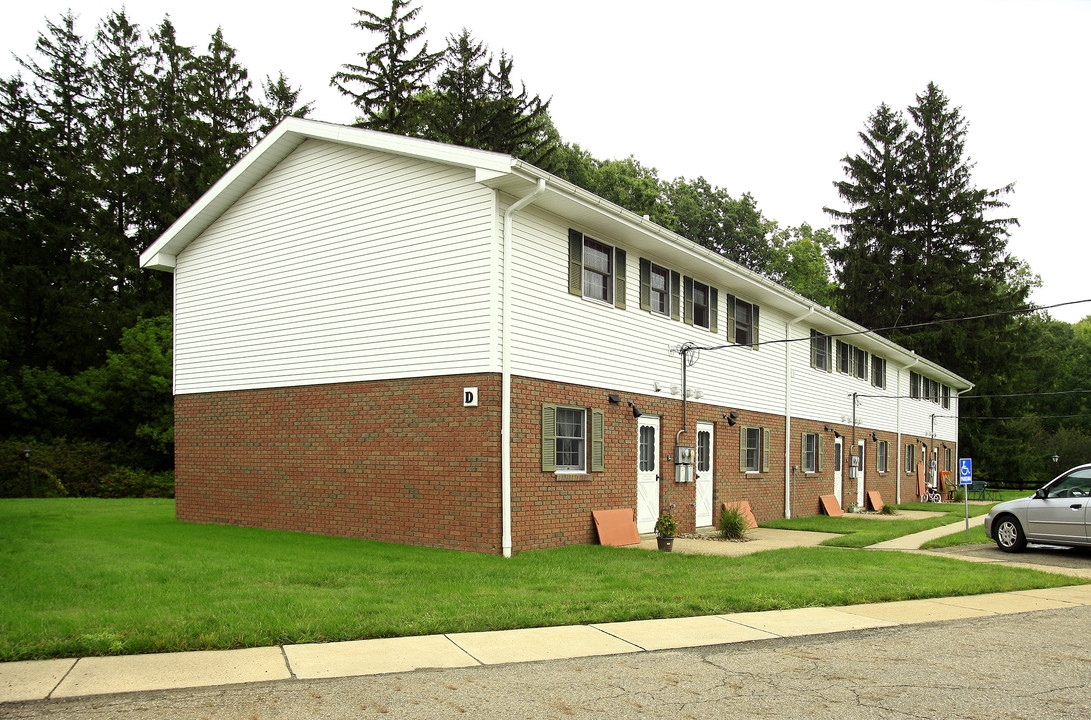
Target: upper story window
column 701, row 313
column 821, row 354
column 859, row 363
column 878, row 371
column 844, row 357
column 924, row 388
column 660, row 290
column 946, row 400
column 596, row 270
column 742, row 322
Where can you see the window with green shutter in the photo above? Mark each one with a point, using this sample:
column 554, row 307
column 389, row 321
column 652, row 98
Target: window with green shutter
column 596, row 270
column 567, row 439
column 742, row 322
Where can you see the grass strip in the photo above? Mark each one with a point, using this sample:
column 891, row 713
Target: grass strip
column 858, row 532
column 99, row 577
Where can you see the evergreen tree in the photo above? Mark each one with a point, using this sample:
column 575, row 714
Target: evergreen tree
column 921, row 244
column 390, row 77
column 225, row 110
column 59, row 325
column 281, row 101
column 874, row 259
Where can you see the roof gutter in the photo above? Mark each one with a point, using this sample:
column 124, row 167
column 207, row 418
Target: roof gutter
column 505, row 373
column 788, row 411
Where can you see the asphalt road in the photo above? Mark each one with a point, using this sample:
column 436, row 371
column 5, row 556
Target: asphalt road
column 1034, row 665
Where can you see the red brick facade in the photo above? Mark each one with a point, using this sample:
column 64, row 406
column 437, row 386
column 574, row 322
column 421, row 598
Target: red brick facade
column 404, row 461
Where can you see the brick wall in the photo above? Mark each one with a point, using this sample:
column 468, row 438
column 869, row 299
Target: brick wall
column 404, row 461
column 397, row 460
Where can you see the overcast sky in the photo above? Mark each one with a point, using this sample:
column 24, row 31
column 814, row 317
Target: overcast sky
column 765, row 97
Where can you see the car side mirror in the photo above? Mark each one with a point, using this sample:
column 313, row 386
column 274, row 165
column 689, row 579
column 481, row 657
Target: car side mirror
column 1040, row 494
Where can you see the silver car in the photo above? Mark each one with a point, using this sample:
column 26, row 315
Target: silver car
column 1056, row 514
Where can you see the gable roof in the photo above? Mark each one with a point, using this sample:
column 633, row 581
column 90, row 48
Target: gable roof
column 518, row 178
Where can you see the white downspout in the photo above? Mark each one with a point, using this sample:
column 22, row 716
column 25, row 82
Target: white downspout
column 788, row 411
column 900, row 449
column 505, row 373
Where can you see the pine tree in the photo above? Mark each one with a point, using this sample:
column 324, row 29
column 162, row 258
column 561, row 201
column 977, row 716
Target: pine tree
column 391, row 78
column 64, row 279
column 225, row 110
column 874, row 259
column 281, row 101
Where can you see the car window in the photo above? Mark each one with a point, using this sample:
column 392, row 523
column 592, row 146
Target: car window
column 1076, row 484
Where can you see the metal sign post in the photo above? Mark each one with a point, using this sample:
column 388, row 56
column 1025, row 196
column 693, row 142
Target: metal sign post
column 965, row 477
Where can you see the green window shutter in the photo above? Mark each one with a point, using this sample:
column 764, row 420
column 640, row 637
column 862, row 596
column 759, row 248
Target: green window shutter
column 645, row 284
column 713, row 310
column 818, row 456
column 803, row 451
column 754, row 333
column 549, row 438
column 814, row 348
column 730, row 318
column 687, row 292
column 676, row 286
column 619, row 278
column 575, row 262
column 829, row 354
column 598, row 443
column 743, row 434
column 765, row 450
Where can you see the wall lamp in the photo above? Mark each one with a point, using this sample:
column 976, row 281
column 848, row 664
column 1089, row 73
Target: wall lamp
column 614, row 398
column 827, row 428
column 636, row 410
column 874, row 437
column 731, row 418
column 836, row 434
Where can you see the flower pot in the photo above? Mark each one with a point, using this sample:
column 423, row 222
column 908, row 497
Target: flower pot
column 665, row 544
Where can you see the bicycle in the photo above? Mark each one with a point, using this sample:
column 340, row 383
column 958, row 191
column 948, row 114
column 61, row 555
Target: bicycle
column 931, row 495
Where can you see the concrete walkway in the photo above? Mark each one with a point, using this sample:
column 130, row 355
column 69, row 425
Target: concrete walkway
column 69, row 678
column 914, row 541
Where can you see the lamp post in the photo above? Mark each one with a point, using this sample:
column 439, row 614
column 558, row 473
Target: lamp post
column 30, row 481
column 1056, row 457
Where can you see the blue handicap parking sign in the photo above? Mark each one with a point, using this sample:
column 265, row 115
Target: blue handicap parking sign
column 965, row 471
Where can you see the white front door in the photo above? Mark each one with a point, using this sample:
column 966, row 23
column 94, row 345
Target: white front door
column 838, row 464
column 705, row 445
column 647, row 473
column 860, row 500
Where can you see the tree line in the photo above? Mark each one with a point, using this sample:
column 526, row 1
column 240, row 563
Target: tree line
column 105, row 142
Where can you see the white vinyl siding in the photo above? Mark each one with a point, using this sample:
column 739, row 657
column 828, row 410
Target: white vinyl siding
column 339, row 265
column 560, row 336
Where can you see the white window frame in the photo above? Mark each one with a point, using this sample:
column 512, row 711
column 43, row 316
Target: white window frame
column 707, row 306
column 608, row 277
column 745, row 448
column 910, row 458
column 822, row 350
column 878, row 372
column 810, row 452
column 881, row 452
column 666, row 292
column 581, row 440
column 747, row 327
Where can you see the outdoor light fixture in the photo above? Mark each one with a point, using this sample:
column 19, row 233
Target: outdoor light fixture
column 636, row 410
column 731, row 418
column 614, row 398
column 836, row 434
column 30, row 479
column 874, row 437
column 1056, row 457
column 826, row 428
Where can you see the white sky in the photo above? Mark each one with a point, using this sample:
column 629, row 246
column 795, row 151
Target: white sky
column 764, row 97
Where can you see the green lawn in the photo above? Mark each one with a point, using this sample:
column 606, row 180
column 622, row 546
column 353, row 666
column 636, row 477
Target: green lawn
column 96, row 577
column 860, row 532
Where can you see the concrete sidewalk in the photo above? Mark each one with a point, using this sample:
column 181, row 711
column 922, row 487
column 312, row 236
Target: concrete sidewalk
column 914, row 541
column 69, row 678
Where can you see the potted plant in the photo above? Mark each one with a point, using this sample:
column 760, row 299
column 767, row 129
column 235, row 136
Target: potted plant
column 665, row 529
